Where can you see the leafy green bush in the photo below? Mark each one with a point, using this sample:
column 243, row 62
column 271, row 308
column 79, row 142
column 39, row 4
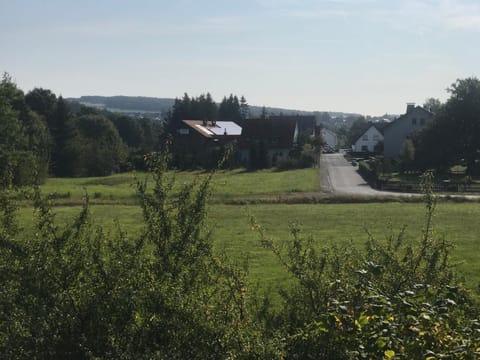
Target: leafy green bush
column 22, row 168
column 366, row 171
column 395, row 300
column 75, row 292
column 303, row 161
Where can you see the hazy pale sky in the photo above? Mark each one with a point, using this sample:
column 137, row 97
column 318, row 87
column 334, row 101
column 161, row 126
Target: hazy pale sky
column 366, row 56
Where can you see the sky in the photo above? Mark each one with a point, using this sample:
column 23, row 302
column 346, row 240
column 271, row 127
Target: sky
column 362, row 56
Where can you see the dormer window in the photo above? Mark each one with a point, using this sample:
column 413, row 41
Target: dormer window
column 414, row 121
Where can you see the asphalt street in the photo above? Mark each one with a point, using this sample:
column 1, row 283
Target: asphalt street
column 340, row 176
column 337, row 175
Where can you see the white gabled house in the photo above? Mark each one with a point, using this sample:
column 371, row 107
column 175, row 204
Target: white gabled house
column 369, row 138
column 393, row 134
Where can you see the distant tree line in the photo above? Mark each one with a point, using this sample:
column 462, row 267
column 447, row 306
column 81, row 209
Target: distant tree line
column 203, row 107
column 42, row 134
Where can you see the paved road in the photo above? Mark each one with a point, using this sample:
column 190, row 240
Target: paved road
column 338, row 175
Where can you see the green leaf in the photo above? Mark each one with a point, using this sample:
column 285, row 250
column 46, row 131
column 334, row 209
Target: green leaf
column 381, row 343
column 389, row 354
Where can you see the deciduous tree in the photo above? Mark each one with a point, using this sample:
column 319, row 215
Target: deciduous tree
column 95, row 149
column 455, row 132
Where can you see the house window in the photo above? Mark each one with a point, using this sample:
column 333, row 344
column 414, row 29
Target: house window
column 422, row 121
column 414, row 121
column 365, row 137
column 364, row 148
column 376, row 137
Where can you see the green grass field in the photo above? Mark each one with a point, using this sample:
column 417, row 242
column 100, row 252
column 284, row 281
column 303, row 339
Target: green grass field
column 327, row 223
column 114, row 201
column 227, row 185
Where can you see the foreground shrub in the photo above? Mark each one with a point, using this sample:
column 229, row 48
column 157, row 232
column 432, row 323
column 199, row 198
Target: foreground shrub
column 395, row 300
column 74, row 292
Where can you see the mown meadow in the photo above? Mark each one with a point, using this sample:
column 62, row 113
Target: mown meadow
column 227, row 185
column 114, row 203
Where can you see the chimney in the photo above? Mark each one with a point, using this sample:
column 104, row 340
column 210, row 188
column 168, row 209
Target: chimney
column 410, row 106
column 225, row 131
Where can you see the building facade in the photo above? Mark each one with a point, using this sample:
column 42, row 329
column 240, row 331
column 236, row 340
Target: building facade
column 264, row 142
column 368, row 140
column 416, row 118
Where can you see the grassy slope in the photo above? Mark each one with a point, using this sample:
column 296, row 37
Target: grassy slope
column 238, row 184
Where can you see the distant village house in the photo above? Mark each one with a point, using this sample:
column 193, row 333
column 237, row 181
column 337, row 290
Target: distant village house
column 196, row 141
column 416, row 118
column 260, row 143
column 392, row 135
column 264, row 142
column 370, row 139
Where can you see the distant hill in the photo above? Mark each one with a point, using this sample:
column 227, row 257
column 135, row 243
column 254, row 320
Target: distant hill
column 127, row 103
column 142, row 104
column 162, row 105
column 256, row 111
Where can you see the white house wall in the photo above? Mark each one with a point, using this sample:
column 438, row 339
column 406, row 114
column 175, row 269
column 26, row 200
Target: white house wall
column 368, row 140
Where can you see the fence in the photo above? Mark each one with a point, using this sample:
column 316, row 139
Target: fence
column 441, row 186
